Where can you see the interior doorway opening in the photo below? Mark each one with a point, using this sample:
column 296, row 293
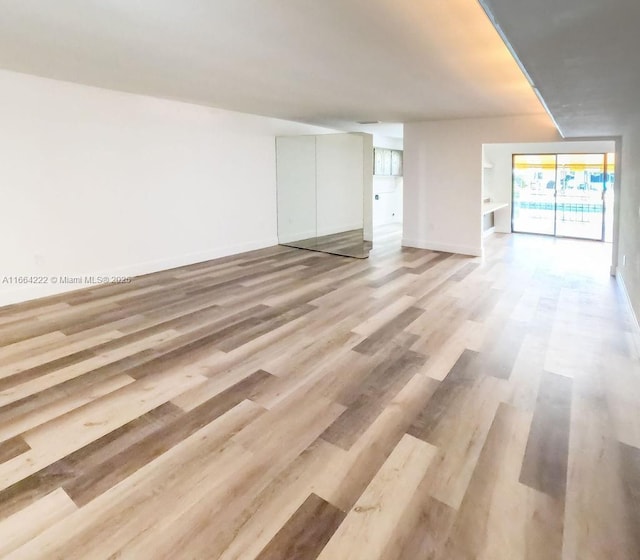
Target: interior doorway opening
column 387, row 195
column 564, row 195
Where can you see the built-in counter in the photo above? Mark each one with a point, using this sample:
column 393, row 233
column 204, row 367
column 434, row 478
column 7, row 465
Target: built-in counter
column 490, row 207
column 488, row 218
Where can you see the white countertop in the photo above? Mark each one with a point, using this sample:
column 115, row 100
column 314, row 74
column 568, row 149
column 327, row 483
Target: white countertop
column 488, row 207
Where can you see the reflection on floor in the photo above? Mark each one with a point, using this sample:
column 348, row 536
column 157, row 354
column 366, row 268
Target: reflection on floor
column 386, row 238
column 346, row 243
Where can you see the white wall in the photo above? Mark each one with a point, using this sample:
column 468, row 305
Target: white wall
column 497, row 180
column 443, row 176
column 97, row 182
column 629, row 232
column 388, row 142
column 388, row 208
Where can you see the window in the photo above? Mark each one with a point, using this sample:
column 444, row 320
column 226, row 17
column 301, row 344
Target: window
column 387, row 162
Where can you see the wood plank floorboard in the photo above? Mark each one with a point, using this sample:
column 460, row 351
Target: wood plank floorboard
column 306, row 533
column 13, row 447
column 374, row 392
column 544, row 466
column 282, row 404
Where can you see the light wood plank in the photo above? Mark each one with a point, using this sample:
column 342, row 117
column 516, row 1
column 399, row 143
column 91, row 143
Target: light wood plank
column 28, row 523
column 370, row 524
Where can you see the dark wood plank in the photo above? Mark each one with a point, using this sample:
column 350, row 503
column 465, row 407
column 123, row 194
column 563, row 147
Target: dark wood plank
column 459, row 379
column 399, row 273
column 375, row 392
column 499, row 354
column 384, row 334
column 467, row 269
column 280, row 317
column 630, row 467
column 12, row 448
column 544, row 466
column 306, row 532
column 421, row 269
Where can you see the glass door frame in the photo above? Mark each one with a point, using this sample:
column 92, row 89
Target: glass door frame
column 605, row 174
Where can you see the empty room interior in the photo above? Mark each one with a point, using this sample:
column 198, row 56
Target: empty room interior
column 320, row 280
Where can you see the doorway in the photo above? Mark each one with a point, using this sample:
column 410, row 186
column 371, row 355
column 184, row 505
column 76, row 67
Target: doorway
column 564, row 195
column 387, row 195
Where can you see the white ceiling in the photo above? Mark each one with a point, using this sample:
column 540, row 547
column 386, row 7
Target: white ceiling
column 583, row 56
column 329, row 62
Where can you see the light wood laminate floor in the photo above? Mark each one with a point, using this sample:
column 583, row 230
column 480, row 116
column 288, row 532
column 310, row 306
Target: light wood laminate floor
column 284, row 404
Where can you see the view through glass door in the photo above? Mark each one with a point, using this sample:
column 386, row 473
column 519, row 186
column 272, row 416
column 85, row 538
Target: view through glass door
column 567, row 195
column 534, row 194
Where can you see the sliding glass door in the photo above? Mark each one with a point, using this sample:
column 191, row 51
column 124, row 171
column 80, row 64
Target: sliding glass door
column 580, row 196
column 565, row 195
column 534, row 193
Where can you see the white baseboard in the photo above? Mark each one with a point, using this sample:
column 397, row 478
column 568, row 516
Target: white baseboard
column 634, row 318
column 459, row 249
column 36, row 291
